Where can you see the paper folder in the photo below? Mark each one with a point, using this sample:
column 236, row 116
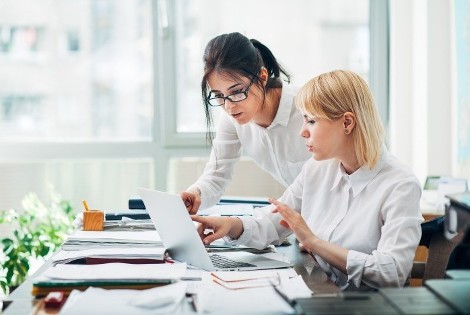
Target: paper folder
column 42, row 288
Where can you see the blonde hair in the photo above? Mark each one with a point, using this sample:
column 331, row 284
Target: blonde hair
column 332, row 94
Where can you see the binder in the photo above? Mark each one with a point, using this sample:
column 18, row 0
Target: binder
column 136, row 203
column 43, row 287
column 136, row 214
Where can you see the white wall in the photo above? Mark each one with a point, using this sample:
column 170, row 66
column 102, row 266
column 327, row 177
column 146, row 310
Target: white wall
column 422, row 86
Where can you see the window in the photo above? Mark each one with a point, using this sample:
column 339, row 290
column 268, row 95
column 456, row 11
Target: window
column 97, row 96
column 308, row 37
column 76, row 70
column 76, row 100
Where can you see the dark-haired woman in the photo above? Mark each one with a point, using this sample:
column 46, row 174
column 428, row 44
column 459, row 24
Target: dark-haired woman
column 243, row 78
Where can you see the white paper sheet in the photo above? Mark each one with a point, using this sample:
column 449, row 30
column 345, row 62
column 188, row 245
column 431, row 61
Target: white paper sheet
column 161, row 300
column 116, row 271
column 147, row 236
column 236, row 280
column 64, row 256
column 228, row 210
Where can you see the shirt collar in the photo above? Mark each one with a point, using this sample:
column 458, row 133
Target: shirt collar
column 360, row 178
column 285, row 107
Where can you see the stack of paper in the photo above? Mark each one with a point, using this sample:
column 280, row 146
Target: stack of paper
column 130, row 254
column 101, row 239
column 111, row 276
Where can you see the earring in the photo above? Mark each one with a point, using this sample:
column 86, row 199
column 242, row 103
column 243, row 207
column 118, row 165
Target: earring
column 346, row 131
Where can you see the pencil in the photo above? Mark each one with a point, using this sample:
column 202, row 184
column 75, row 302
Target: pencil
column 86, row 205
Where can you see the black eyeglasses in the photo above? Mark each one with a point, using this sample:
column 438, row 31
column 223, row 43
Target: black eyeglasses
column 235, row 97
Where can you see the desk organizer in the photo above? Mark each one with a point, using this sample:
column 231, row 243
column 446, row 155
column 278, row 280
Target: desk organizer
column 93, row 220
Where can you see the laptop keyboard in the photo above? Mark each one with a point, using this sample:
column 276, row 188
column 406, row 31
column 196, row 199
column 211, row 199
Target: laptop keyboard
column 226, row 263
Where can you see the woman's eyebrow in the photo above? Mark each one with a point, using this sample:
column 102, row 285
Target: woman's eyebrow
column 229, row 88
column 236, row 84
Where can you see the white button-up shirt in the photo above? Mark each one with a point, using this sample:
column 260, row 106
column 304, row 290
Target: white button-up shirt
column 277, row 149
column 373, row 213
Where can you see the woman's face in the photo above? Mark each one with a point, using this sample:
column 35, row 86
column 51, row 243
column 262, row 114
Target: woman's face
column 243, row 111
column 324, row 138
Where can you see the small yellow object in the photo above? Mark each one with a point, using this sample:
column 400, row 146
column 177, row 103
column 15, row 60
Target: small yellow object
column 86, row 205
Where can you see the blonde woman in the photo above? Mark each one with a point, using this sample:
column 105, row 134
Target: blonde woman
column 354, row 206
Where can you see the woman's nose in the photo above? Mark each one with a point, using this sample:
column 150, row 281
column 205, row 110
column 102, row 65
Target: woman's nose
column 229, row 104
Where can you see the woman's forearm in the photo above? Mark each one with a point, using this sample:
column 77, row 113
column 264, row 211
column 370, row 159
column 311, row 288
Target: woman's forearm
column 331, row 253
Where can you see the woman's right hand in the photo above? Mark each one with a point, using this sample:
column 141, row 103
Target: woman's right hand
column 219, row 227
column 192, row 201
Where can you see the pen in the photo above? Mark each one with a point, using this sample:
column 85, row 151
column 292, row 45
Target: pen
column 86, row 205
column 191, row 278
column 280, row 293
column 194, row 303
column 283, row 296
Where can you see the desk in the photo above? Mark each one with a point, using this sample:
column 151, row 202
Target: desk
column 304, row 264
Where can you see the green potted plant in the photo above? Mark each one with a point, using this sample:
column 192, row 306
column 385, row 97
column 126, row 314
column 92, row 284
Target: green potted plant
column 37, row 231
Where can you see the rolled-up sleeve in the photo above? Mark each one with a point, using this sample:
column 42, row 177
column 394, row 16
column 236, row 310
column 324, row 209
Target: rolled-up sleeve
column 264, row 227
column 390, row 264
column 261, row 231
column 379, row 270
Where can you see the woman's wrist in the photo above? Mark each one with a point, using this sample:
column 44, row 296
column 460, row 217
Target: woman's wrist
column 236, row 228
column 196, row 190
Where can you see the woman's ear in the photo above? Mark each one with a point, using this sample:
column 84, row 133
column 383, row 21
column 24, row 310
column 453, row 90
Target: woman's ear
column 263, row 74
column 349, row 122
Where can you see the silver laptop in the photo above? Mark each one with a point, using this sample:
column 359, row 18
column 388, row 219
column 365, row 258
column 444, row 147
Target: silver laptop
column 183, row 243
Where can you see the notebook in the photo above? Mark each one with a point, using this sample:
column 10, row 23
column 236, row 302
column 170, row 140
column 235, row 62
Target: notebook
column 179, row 236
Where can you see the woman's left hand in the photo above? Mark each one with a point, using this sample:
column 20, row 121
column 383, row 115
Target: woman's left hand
column 293, row 220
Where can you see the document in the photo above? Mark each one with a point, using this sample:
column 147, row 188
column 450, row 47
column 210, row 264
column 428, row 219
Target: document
column 100, row 239
column 236, row 280
column 294, row 288
column 161, row 300
column 116, row 271
column 228, row 210
column 260, row 300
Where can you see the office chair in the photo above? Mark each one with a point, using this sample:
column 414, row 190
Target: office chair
column 439, row 250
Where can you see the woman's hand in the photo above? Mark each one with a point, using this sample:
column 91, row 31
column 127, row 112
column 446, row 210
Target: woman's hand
column 220, row 227
column 192, row 201
column 330, row 252
column 294, row 221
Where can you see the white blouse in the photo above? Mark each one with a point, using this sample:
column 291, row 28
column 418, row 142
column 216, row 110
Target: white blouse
column 373, row 213
column 277, row 149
